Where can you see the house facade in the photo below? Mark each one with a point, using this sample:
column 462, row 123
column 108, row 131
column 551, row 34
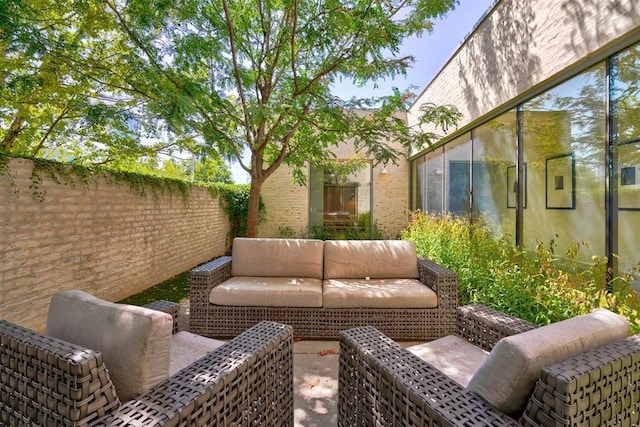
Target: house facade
column 549, row 146
column 372, row 202
column 548, row 149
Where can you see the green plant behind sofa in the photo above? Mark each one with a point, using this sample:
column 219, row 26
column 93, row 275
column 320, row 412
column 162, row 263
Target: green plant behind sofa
column 536, row 285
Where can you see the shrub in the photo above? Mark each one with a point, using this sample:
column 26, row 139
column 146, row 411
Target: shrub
column 535, row 285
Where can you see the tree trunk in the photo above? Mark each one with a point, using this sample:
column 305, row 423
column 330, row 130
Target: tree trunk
column 253, row 214
column 13, row 132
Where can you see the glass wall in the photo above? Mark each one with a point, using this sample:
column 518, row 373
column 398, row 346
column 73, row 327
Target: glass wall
column 457, row 176
column 564, row 151
column 573, row 168
column 494, row 174
column 625, row 108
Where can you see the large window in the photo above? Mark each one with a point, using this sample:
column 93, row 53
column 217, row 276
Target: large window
column 457, row 158
column 625, row 106
column 495, row 174
column 339, row 201
column 564, row 150
column 576, row 185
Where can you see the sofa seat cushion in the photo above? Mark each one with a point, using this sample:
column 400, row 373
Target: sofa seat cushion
column 268, row 292
column 264, row 257
column 135, row 342
column 377, row 259
column 186, row 348
column 508, row 376
column 377, row 293
column 453, row 356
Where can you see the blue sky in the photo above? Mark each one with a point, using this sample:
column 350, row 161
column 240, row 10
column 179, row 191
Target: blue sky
column 431, row 52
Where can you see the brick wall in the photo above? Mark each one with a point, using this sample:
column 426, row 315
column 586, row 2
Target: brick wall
column 103, row 237
column 287, row 204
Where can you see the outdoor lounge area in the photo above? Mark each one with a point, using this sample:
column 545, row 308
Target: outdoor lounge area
column 495, row 370
column 460, row 248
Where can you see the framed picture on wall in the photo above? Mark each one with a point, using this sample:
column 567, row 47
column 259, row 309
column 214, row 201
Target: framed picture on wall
column 561, row 181
column 512, row 184
column 629, row 176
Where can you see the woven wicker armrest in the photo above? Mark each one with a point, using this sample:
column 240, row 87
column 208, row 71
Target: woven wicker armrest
column 601, row 387
column 383, row 384
column 48, row 381
column 443, row 282
column 201, row 280
column 169, row 307
column 484, row 326
column 247, row 381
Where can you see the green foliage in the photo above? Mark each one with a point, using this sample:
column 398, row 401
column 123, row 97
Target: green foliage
column 73, row 175
column 538, row 286
column 362, row 229
column 234, row 199
column 175, row 289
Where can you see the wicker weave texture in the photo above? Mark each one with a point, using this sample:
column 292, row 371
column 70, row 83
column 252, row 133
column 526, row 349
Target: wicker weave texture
column 247, row 381
column 598, row 388
column 45, row 381
column 319, row 322
column 382, row 384
column 169, row 307
column 484, row 326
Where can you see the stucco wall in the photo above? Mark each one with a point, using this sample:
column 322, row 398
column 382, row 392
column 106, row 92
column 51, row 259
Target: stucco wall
column 104, row 238
column 523, row 45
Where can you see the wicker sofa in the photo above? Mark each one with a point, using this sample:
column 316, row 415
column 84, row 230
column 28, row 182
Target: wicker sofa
column 321, row 288
column 50, row 381
column 584, row 371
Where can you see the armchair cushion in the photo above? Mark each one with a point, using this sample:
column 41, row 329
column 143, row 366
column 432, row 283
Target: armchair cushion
column 186, row 348
column 135, row 341
column 508, row 376
column 454, row 356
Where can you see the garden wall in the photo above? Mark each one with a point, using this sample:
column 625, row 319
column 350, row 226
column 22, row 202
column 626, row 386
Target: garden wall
column 64, row 228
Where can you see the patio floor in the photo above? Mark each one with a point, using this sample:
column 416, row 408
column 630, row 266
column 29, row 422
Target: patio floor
column 315, row 378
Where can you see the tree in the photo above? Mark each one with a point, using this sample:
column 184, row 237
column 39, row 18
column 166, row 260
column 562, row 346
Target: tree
column 60, row 92
column 256, row 76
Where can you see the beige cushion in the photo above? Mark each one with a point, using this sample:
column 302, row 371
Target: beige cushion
column 377, row 293
column 134, row 341
column 268, row 292
column 186, row 348
column 507, row 378
column 377, row 259
column 453, row 356
column 277, row 257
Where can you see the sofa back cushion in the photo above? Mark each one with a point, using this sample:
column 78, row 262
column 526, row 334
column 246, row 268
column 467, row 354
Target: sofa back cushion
column 508, row 376
column 262, row 257
column 135, row 342
column 376, row 259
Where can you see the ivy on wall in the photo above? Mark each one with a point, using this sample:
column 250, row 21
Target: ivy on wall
column 233, row 198
column 74, row 175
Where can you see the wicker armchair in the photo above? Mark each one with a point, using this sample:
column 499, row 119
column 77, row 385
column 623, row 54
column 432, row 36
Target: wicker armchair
column 384, row 384
column 47, row 381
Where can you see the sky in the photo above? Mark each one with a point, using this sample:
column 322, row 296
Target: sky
column 431, row 51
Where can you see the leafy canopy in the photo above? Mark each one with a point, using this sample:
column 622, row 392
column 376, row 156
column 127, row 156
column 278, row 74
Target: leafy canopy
column 249, row 80
column 256, row 76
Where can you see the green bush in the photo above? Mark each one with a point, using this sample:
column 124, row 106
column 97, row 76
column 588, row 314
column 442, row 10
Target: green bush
column 535, row 285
